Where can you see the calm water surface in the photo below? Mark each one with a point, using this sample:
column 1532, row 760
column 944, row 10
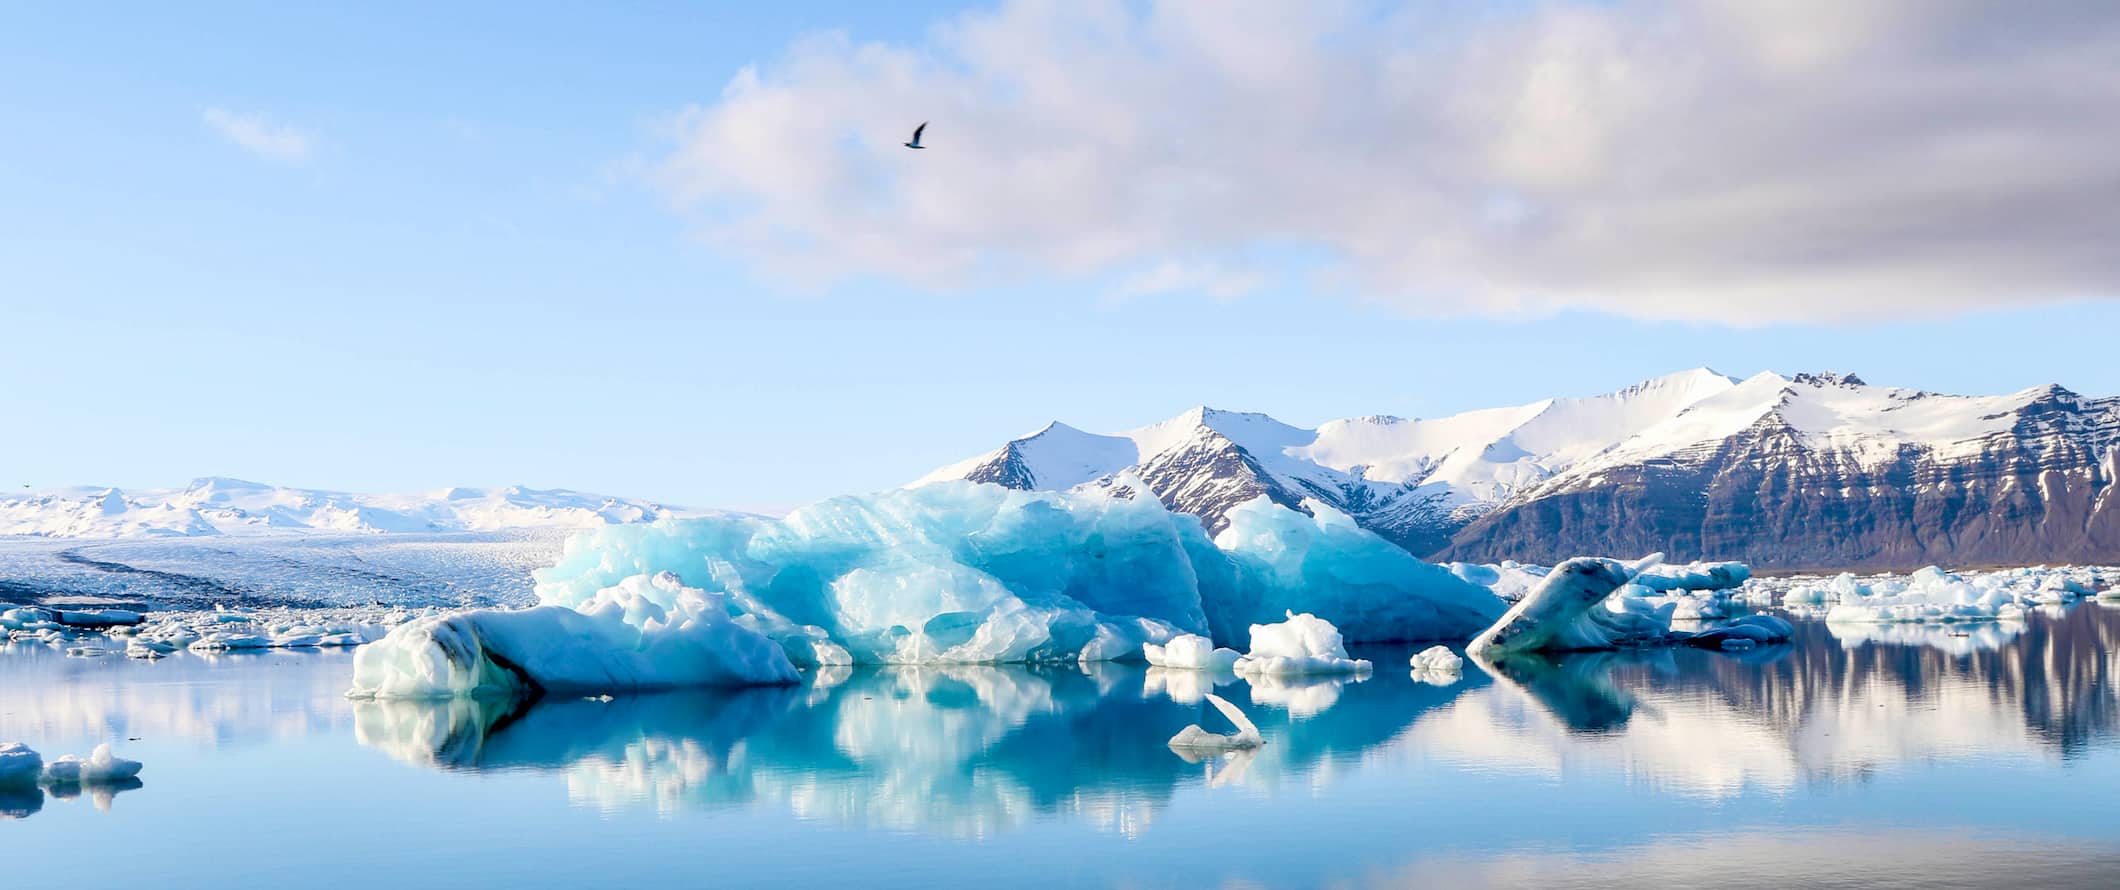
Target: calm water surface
column 1900, row 755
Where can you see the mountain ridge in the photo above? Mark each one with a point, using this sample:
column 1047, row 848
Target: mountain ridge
column 1813, row 470
column 221, row 505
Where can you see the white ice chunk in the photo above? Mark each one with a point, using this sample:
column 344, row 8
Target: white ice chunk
column 1303, row 644
column 1190, row 652
column 1246, row 736
column 1437, row 660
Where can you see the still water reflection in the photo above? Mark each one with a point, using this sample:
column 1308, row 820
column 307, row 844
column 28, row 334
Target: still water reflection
column 1914, row 737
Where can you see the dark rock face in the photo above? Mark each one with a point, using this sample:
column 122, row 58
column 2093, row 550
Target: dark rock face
column 1007, row 469
column 2044, row 491
column 1210, row 475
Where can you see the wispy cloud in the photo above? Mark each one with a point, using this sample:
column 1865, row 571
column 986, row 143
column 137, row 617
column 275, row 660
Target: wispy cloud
column 257, row 134
column 1721, row 159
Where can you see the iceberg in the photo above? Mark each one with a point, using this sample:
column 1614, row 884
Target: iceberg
column 639, row 635
column 20, row 766
column 1573, row 608
column 1190, row 652
column 101, row 768
column 1436, row 665
column 1303, row 644
column 961, row 572
column 1246, row 736
column 1327, row 565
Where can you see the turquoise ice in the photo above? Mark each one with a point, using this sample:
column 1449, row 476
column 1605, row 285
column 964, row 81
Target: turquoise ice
column 966, row 572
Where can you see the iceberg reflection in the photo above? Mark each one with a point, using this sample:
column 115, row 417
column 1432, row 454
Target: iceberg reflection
column 965, row 750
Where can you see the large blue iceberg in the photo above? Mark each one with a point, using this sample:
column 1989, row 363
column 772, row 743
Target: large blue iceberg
column 966, row 572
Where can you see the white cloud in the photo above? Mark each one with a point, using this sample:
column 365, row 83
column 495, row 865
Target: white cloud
column 258, row 135
column 1723, row 159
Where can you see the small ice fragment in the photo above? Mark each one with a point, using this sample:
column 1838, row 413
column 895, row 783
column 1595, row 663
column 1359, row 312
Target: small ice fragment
column 1438, row 659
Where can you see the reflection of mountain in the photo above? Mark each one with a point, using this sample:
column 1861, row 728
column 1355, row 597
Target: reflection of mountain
column 966, row 750
column 1712, row 724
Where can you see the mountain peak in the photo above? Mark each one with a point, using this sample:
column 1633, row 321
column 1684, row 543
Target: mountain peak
column 1828, row 378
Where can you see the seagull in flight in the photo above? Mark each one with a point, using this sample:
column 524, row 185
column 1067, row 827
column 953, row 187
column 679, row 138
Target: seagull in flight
column 916, row 136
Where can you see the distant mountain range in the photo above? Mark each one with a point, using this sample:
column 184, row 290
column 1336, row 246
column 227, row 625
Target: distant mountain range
column 1814, row 471
column 1810, row 471
column 221, row 506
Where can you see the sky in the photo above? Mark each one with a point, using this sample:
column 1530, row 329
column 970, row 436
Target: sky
column 676, row 251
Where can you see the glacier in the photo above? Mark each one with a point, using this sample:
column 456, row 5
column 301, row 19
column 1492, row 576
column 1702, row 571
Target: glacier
column 961, row 572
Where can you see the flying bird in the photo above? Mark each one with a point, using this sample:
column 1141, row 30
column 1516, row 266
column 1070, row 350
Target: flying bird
column 916, row 136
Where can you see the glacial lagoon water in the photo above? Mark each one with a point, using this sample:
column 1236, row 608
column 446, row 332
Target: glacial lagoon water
column 1978, row 755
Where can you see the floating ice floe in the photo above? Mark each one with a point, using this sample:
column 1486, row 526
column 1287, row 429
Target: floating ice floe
column 639, row 635
column 101, row 768
column 1246, row 736
column 959, row 572
column 1935, row 595
column 1745, row 632
column 1190, row 652
column 1303, row 644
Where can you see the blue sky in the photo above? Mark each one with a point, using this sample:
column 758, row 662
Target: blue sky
column 472, row 245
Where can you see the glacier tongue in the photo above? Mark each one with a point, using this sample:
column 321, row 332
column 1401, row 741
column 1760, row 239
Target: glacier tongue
column 967, row 572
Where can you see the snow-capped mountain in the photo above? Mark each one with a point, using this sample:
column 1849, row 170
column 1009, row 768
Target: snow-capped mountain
column 1811, row 470
column 220, row 506
column 1828, row 471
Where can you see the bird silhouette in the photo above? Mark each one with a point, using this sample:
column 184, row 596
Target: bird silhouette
column 916, row 136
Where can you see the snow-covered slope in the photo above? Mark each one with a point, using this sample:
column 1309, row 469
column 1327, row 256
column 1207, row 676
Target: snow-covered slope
column 1810, row 470
column 220, row 506
column 1826, row 470
column 1414, row 481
